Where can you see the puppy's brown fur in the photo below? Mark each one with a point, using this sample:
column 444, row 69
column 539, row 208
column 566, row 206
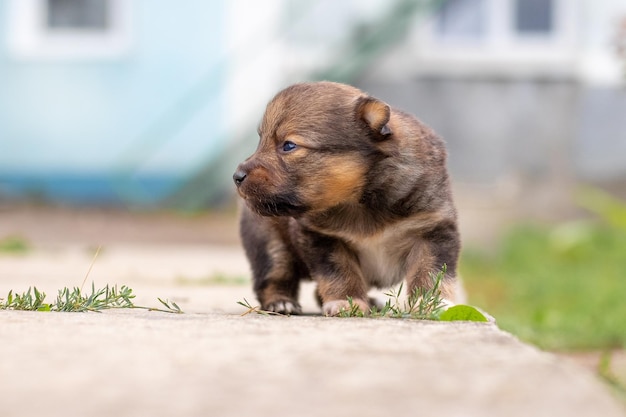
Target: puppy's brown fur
column 347, row 191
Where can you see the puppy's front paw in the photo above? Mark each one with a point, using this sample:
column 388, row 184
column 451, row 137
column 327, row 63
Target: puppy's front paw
column 378, row 302
column 283, row 307
column 333, row 308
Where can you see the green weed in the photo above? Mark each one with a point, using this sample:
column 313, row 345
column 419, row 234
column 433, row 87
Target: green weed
column 353, row 310
column 76, row 301
column 421, row 304
column 255, row 309
column 32, row 300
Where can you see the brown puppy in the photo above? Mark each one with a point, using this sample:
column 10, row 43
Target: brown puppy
column 347, row 191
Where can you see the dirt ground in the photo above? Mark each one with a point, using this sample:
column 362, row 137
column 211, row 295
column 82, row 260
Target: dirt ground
column 52, row 225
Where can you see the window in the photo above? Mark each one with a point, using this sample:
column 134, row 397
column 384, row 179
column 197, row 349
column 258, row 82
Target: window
column 470, row 20
column 78, row 14
column 462, row 18
column 534, row 16
column 69, row 29
column 500, row 36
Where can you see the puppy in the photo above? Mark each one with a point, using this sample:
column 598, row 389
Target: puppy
column 349, row 192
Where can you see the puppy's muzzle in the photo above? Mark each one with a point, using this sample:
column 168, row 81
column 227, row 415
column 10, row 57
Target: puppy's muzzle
column 239, row 176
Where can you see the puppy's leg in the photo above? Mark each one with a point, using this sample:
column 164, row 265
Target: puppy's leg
column 438, row 247
column 276, row 270
column 377, row 302
column 336, row 270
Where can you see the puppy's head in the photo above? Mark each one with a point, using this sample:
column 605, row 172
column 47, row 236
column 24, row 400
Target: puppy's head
column 317, row 143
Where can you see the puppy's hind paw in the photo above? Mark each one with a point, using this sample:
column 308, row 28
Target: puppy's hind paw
column 284, row 307
column 333, row 308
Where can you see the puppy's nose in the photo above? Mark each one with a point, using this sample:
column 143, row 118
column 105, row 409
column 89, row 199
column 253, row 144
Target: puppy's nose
column 239, row 176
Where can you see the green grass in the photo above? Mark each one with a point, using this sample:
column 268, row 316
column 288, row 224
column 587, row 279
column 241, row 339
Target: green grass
column 13, row 245
column 215, row 279
column 421, row 304
column 76, row 300
column 560, row 287
column 605, row 371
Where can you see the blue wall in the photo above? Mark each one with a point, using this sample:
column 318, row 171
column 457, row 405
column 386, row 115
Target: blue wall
column 156, row 110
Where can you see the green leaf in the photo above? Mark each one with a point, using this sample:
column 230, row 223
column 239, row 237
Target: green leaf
column 462, row 313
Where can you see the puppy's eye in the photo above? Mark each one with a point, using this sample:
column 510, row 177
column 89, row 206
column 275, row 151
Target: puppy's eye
column 288, row 146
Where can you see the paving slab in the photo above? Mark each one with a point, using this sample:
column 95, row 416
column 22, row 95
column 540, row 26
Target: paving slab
column 140, row 363
column 212, row 361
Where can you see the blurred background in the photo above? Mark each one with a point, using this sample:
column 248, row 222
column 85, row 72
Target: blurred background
column 151, row 103
column 148, row 105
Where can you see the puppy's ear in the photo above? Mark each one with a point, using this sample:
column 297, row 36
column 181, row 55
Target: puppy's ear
column 375, row 113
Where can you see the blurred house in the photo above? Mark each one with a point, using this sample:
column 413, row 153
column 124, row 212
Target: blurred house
column 107, row 101
column 529, row 90
column 155, row 101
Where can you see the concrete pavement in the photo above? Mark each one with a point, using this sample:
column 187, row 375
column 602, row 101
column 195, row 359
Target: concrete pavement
column 211, row 361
